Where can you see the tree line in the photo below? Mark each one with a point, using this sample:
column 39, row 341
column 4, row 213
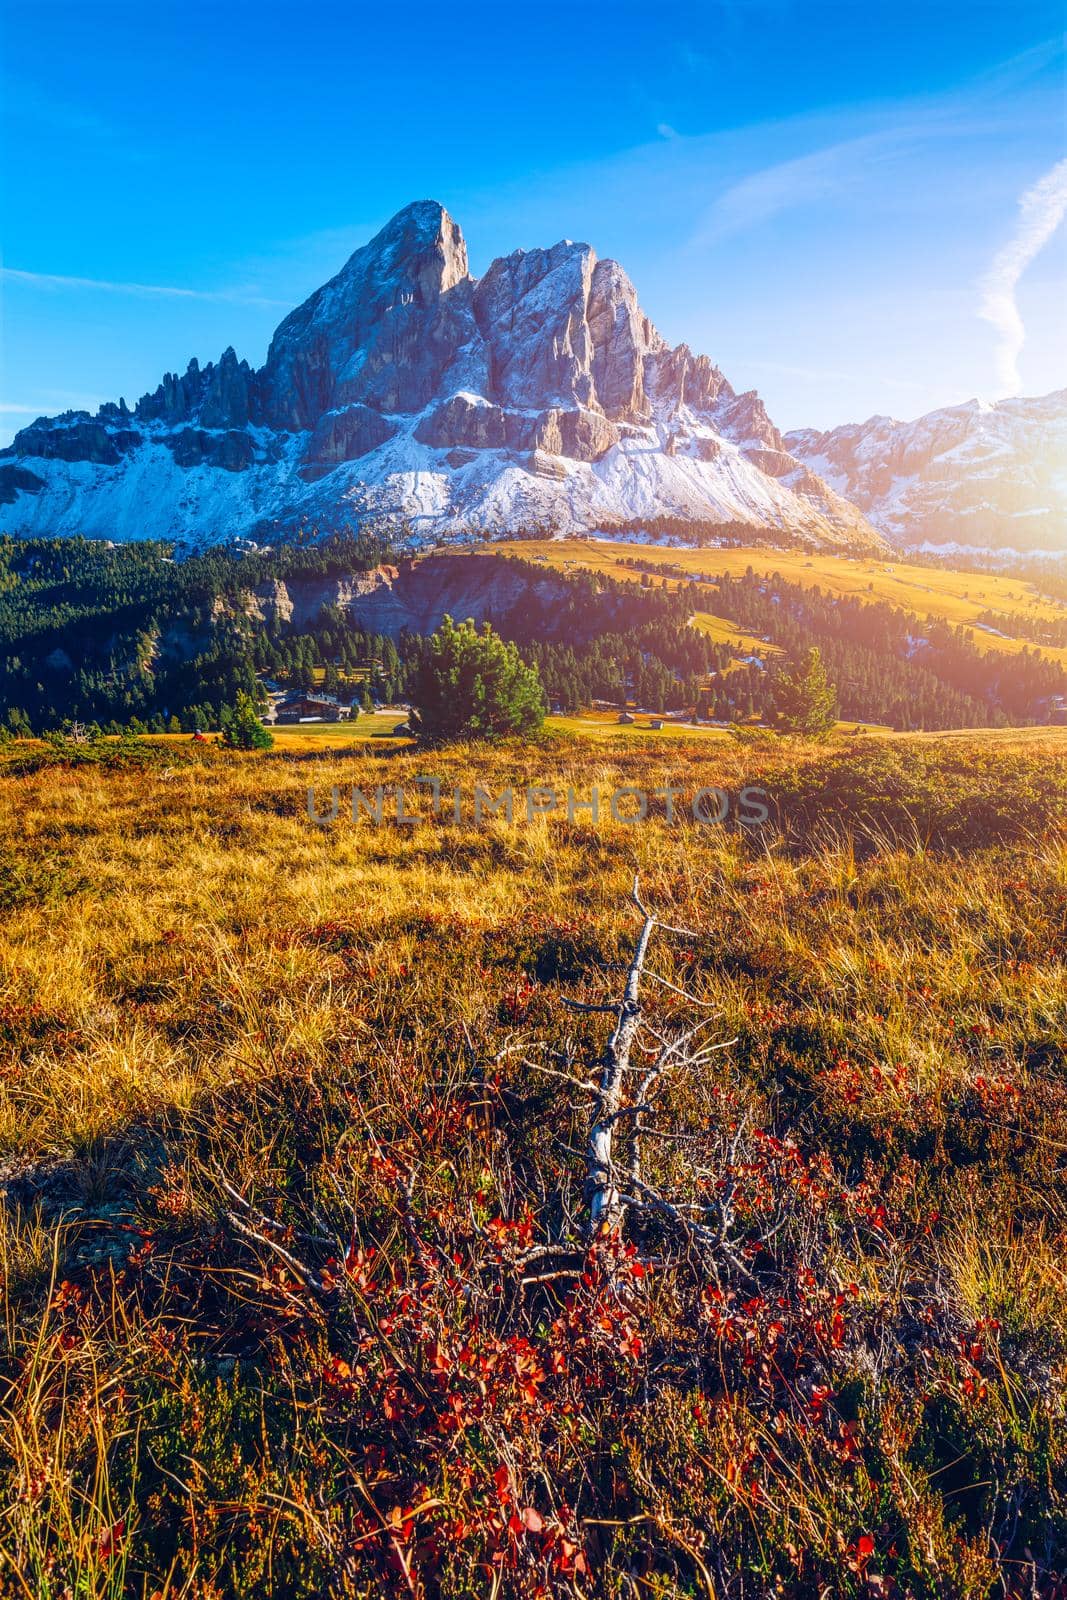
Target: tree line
column 130, row 638
column 887, row 664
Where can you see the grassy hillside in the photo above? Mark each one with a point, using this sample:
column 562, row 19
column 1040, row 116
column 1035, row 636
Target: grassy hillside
column 959, row 598
column 297, row 1298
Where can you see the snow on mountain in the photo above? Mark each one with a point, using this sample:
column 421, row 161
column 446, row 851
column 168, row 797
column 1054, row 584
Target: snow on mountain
column 978, row 477
column 536, row 397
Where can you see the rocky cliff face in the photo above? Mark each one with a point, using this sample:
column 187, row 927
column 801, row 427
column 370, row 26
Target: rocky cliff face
column 987, row 478
column 416, row 594
column 387, row 332
column 538, row 396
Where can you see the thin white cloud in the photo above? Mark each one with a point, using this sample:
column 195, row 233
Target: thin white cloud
column 834, row 374
column 55, row 280
column 875, row 134
column 1041, row 210
column 800, row 182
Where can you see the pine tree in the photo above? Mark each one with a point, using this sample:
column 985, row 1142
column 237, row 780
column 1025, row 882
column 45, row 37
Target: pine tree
column 241, row 727
column 805, row 701
column 470, row 684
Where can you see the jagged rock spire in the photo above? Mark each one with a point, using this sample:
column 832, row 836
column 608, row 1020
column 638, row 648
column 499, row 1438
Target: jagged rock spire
column 540, row 393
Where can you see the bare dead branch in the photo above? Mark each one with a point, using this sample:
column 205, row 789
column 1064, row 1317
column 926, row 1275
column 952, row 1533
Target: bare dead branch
column 631, row 1035
column 302, row 1271
column 684, row 933
column 550, row 1072
column 694, row 1000
column 604, row 1206
column 271, row 1224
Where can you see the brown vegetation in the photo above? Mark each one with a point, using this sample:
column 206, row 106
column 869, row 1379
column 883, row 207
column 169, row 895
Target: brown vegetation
column 299, row 1295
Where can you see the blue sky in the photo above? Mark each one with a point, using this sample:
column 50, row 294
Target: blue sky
column 824, row 198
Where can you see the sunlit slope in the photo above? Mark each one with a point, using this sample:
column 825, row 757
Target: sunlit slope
column 932, row 593
column 723, row 631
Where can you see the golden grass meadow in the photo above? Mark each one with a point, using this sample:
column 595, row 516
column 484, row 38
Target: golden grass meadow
column 942, row 594
column 298, row 1293
column 533, row 802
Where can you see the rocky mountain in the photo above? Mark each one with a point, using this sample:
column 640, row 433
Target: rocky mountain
column 538, row 396
column 981, row 478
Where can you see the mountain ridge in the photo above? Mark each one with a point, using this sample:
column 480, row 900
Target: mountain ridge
column 982, row 477
column 538, row 395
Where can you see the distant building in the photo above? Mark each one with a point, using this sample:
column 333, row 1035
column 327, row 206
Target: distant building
column 624, row 716
column 311, row 708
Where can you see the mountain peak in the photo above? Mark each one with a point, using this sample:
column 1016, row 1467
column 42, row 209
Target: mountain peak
column 428, row 214
column 976, row 476
column 423, row 226
column 539, row 394
column 382, row 331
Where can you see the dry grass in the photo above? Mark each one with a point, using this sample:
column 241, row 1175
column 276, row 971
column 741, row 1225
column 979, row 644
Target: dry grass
column 199, row 987
column 723, row 631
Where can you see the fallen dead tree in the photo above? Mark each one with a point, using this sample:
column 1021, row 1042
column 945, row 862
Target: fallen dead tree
column 626, row 1095
column 625, row 1083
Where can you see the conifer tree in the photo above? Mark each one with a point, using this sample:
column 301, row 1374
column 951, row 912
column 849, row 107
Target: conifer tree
column 805, row 701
